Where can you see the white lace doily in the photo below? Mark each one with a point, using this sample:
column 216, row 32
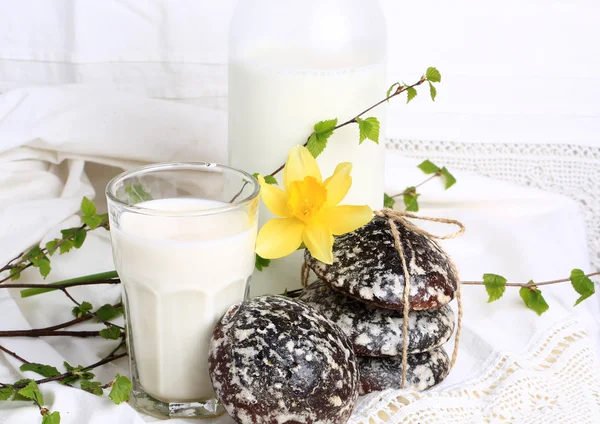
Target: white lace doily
column 555, row 381
column 567, row 169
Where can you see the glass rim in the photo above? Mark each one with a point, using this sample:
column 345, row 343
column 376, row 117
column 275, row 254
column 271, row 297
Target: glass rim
column 163, row 166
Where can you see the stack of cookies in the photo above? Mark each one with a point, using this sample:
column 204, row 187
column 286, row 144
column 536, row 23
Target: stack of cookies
column 362, row 292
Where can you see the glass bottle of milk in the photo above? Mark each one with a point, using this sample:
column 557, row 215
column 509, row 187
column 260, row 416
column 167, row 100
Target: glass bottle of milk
column 291, row 64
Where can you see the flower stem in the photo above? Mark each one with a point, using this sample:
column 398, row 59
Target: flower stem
column 109, row 277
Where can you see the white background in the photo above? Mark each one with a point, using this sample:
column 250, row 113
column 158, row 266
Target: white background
column 522, row 71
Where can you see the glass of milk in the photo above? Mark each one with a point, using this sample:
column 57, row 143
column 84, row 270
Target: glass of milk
column 183, row 238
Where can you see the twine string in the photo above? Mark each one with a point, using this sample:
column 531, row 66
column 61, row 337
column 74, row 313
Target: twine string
column 394, row 217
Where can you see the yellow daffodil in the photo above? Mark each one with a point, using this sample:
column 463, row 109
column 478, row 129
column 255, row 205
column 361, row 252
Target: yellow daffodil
column 307, row 209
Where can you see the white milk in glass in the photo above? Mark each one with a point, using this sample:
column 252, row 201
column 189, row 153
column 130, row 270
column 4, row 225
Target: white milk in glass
column 273, row 106
column 180, row 274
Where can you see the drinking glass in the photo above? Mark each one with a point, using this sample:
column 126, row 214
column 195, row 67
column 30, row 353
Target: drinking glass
column 183, row 238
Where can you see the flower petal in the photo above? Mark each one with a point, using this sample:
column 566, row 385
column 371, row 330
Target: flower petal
column 344, row 219
column 339, row 183
column 274, row 198
column 300, row 164
column 319, row 241
column 279, row 237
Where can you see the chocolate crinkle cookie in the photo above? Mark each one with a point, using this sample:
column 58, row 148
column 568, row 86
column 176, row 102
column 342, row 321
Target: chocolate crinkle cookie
column 378, row 332
column 366, row 266
column 277, row 360
column 424, row 370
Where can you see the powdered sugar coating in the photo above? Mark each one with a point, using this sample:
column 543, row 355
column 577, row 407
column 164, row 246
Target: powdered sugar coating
column 277, row 360
column 366, row 266
column 378, row 332
column 424, row 370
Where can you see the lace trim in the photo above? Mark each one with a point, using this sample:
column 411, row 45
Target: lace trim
column 556, row 380
column 566, row 169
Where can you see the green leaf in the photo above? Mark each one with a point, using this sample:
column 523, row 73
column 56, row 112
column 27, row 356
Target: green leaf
column 120, row 389
column 260, row 263
column 51, row 246
column 433, row 75
column 533, row 298
column 108, row 312
column 82, row 310
column 429, row 167
column 66, row 246
column 6, row 393
column 15, row 273
column 432, row 91
column 411, row 94
column 137, row 194
column 92, row 221
column 92, row 387
column 318, row 140
column 39, row 260
column 269, row 179
column 450, row 180
column 88, row 208
column 32, row 391
column 389, row 92
column 495, row 285
column 79, row 238
column 104, row 218
column 34, row 252
column 77, row 373
column 582, row 285
column 324, row 127
column 110, row 333
column 368, row 128
column 52, row 418
column 410, row 197
column 41, row 369
column 388, row 201
column 43, row 265
column 21, row 383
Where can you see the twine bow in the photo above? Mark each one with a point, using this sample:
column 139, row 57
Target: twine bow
column 394, row 216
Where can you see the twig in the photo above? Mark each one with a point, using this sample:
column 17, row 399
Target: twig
column 112, row 352
column 106, row 360
column 407, row 191
column 13, row 354
column 543, row 283
column 401, row 89
column 45, row 333
column 74, row 321
column 8, row 264
column 58, row 286
column 107, row 323
column 10, row 276
column 44, row 251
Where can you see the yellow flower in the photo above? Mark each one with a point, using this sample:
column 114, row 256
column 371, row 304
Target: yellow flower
column 307, row 209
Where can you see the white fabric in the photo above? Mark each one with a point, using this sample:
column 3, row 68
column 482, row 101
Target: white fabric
column 513, row 71
column 556, row 380
column 48, row 132
column 567, row 169
column 47, row 135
